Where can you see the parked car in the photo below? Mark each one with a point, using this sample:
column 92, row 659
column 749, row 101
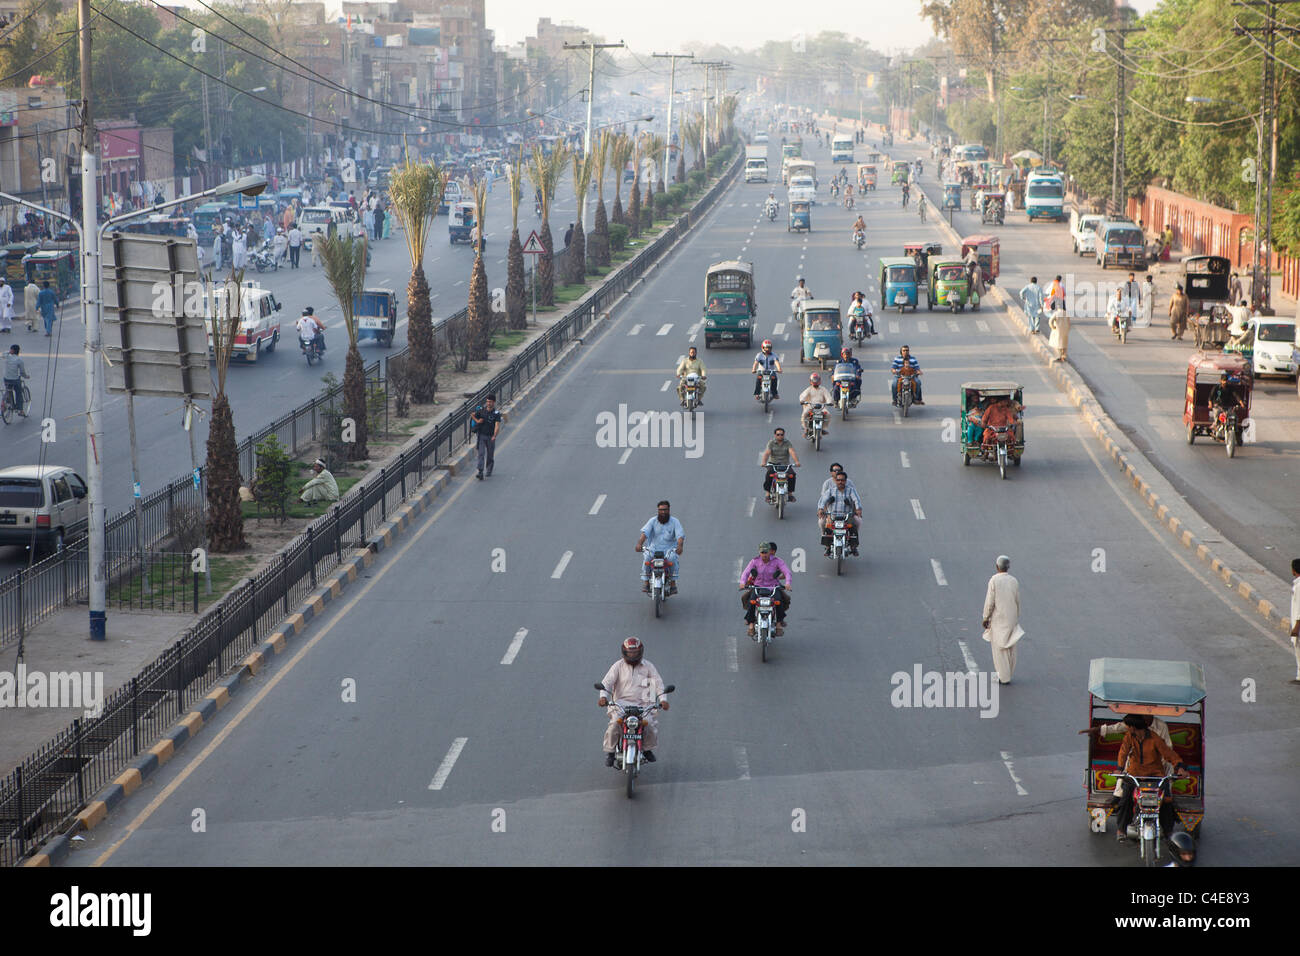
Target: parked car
column 1083, row 231
column 40, row 505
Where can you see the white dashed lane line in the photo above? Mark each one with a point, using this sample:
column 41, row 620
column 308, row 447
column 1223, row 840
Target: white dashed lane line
column 595, row 508
column 564, row 563
column 938, row 573
column 515, row 644
column 448, row 762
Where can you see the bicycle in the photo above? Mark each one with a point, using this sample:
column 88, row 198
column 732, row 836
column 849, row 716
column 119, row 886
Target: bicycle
column 7, row 407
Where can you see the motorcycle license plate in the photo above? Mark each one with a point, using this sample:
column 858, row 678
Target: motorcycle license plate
column 765, row 602
column 658, row 564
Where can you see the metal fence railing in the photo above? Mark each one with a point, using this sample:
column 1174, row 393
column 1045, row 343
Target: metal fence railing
column 43, row 794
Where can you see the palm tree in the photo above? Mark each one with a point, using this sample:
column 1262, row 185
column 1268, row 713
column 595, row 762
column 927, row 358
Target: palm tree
column 544, row 172
column 634, row 204
column 654, row 149
column 693, row 132
column 479, row 318
column 598, row 241
column 345, row 271
column 578, row 244
column 416, row 192
column 620, row 151
column 225, row 521
column 515, row 257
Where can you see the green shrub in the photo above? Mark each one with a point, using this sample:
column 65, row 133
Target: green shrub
column 272, row 481
column 697, row 179
column 617, row 237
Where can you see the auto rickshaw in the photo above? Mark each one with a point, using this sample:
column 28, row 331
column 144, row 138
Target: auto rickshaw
column 952, row 196
column 867, row 176
column 59, row 267
column 800, row 216
column 926, row 249
column 948, row 288
column 11, row 263
column 820, row 331
column 992, row 203
column 791, row 150
column 1227, row 423
column 987, row 248
column 375, row 311
column 460, row 222
column 902, row 172
column 1170, row 691
column 1007, row 443
column 899, row 283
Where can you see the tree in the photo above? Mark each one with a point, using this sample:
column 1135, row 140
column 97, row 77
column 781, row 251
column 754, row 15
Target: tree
column 479, row 316
column 344, row 259
column 577, row 255
column 225, row 525
column 598, row 241
column 416, row 192
column 544, row 173
column 634, row 204
column 620, row 151
column 515, row 307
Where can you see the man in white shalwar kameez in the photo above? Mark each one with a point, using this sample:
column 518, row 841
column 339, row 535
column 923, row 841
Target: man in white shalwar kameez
column 1002, row 619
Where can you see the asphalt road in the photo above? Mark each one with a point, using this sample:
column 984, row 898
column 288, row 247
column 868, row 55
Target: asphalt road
column 450, row 755
column 259, row 392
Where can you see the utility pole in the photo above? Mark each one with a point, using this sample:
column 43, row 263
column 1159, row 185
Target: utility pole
column 1047, row 94
column 704, row 140
column 207, row 134
column 1118, row 169
column 591, row 99
column 94, row 371
column 672, row 87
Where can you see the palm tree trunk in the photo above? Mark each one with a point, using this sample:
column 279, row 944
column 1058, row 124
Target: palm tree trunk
column 578, row 254
column 225, row 524
column 650, row 205
column 598, row 247
column 419, row 335
column 546, row 267
column 634, row 211
column 480, row 312
column 354, row 401
column 516, row 308
column 616, row 216
column 681, row 165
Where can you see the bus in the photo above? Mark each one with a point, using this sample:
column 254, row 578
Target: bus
column 842, row 148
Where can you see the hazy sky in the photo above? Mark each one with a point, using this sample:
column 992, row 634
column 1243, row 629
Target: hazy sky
column 664, row 25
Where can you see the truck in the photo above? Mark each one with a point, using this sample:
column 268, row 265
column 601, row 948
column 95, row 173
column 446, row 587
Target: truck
column 755, row 164
column 729, row 303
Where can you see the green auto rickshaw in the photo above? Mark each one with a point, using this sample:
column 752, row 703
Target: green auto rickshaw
column 949, row 288
column 57, row 266
column 11, row 263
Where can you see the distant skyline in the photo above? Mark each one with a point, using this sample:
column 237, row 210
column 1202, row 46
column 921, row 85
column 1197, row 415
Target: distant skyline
column 671, row 25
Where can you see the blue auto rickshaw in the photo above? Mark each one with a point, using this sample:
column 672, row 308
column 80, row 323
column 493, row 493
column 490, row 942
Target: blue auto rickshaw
column 460, row 222
column 899, row 283
column 952, row 196
column 821, row 333
column 375, row 312
column 800, row 216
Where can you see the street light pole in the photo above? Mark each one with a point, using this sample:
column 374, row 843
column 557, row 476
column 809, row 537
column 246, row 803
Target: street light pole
column 672, row 85
column 591, row 101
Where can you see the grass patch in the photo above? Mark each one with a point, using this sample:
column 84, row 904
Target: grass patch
column 171, row 582
column 509, row 338
column 295, row 507
column 570, row 292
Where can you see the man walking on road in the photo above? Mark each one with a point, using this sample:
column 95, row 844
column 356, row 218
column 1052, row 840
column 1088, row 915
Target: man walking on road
column 1032, row 297
column 46, row 303
column 1295, row 615
column 487, row 425
column 1002, row 619
column 1059, row 322
column 295, row 245
column 6, row 306
column 1056, row 295
column 1146, row 305
column 1178, row 313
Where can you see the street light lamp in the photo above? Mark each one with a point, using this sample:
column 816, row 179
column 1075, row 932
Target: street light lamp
column 1262, row 295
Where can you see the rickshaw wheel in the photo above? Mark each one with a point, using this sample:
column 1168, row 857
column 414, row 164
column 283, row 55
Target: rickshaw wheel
column 965, row 457
column 1191, row 434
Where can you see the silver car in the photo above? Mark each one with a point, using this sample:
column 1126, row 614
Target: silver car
column 39, row 505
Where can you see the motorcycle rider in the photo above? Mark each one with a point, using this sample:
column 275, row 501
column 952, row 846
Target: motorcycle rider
column 771, row 205
column 860, row 311
column 766, row 361
column 800, row 291
column 860, row 229
column 663, row 533
column 766, row 571
column 840, row 498
column 814, row 394
column 778, row 452
column 848, row 195
column 632, row 681
column 311, row 329
column 1142, row 754
column 1116, row 308
column 846, row 357
column 1183, row 849
column 691, row 363
column 1224, row 397
column 829, row 483
column 904, row 357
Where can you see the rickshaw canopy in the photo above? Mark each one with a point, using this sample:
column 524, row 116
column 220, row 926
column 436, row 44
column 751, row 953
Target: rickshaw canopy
column 1163, row 683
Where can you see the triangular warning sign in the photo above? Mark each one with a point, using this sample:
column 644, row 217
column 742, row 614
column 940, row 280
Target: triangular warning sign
column 533, row 246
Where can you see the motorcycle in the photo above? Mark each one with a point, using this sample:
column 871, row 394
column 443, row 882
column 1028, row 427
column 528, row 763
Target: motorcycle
column 765, row 604
column 1120, row 327
column 859, row 238
column 263, row 258
column 537, row 209
column 1148, row 794
column 765, row 388
column 771, row 212
column 848, row 202
column 835, row 187
column 658, row 565
column 842, row 385
column 1002, row 437
column 1227, row 428
column 839, row 527
column 858, row 327
column 816, row 425
column 312, row 350
column 779, row 496
column 906, row 392
column 629, row 755
column 691, row 388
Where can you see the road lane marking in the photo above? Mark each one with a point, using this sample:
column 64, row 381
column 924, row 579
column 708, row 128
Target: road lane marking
column 600, row 500
column 733, row 657
column 742, row 762
column 636, row 329
column 665, row 329
column 622, row 459
column 459, row 282
column 938, row 573
column 666, row 385
column 1006, row 761
column 893, row 328
column 778, row 329
column 954, row 326
column 968, row 657
column 449, row 761
column 752, row 503
column 517, row 643
column 564, row 563
column 916, row 509
column 922, row 325
column 981, row 325
column 907, row 462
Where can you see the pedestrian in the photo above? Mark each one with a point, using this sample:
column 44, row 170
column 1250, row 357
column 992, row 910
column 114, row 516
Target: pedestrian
column 568, row 235
column 1133, row 295
column 216, row 248
column 1059, row 322
column 1235, row 293
column 238, row 250
column 1032, row 296
column 268, row 229
column 379, row 221
column 47, row 302
column 486, row 424
column 1295, row 614
column 322, row 486
column 1056, row 295
column 368, row 220
column 1002, row 619
column 29, row 305
column 1146, row 304
column 295, row 244
column 6, row 306
column 316, row 257
column 1177, row 313
column 280, row 247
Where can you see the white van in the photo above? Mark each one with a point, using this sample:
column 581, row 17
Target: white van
column 803, row 188
column 320, row 220
column 755, row 164
column 259, row 328
column 842, row 149
column 1083, row 231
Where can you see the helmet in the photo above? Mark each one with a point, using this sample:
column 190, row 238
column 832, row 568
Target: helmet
column 767, row 344
column 846, row 352
column 815, row 378
column 633, row 650
column 1183, row 848
column 308, row 311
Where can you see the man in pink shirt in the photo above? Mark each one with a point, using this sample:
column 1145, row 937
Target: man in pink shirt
column 766, row 571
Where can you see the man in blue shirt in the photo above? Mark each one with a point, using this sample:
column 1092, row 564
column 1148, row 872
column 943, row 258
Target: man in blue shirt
column 487, row 425
column 47, row 302
column 663, row 533
column 904, row 357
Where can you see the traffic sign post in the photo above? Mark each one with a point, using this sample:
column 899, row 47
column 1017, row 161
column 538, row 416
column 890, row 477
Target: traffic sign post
column 533, row 247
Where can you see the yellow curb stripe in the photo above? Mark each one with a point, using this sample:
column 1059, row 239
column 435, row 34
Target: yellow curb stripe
column 193, row 721
column 278, row 641
column 219, row 694
column 130, row 781
column 295, row 621
column 40, row 859
column 93, row 815
column 164, row 750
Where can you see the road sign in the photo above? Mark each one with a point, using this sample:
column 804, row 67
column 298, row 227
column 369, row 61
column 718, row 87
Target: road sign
column 533, row 247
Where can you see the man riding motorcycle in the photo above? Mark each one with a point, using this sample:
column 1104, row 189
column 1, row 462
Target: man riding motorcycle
column 663, row 533
column 771, row 206
column 840, row 498
column 310, row 329
column 766, row 361
column 797, row 294
column 779, row 451
column 814, row 394
column 904, row 358
column 846, row 357
column 860, row 311
column 691, row 363
column 766, row 571
column 859, row 228
column 1224, row 396
column 632, row 681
